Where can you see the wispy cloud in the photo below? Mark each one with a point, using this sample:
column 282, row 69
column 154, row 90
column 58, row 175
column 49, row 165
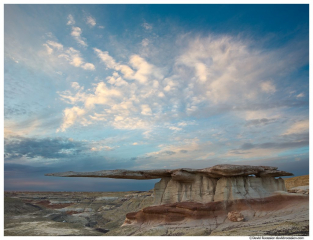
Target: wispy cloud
column 91, row 21
column 300, row 95
column 70, row 54
column 70, row 19
column 268, row 87
column 145, row 42
column 74, row 57
column 298, row 127
column 55, row 45
column 76, row 33
column 228, row 70
column 49, row 49
column 147, row 26
column 140, row 69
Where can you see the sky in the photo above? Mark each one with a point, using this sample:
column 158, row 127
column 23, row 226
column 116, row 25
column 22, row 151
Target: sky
column 101, row 87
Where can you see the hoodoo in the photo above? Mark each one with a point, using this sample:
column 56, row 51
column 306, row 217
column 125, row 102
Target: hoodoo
column 218, row 183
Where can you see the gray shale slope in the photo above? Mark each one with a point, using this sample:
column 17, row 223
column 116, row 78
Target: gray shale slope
column 69, row 213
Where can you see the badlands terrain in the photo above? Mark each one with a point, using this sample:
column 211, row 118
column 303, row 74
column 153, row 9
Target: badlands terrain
column 104, row 213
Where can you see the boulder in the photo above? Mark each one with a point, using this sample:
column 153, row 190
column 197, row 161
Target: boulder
column 235, row 216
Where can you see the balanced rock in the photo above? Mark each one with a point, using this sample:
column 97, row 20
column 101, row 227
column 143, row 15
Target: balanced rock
column 218, row 183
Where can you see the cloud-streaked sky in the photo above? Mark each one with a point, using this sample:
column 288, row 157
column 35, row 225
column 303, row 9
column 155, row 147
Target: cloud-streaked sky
column 94, row 87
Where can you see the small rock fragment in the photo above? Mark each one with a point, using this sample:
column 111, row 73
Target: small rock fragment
column 235, row 216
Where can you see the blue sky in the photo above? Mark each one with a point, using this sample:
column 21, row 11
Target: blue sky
column 93, row 87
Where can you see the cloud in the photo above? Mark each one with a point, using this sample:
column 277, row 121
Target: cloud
column 144, row 69
column 74, row 57
column 260, row 122
column 208, row 76
column 275, row 145
column 88, row 66
column 106, row 148
column 147, row 26
column 12, row 128
column 102, row 95
column 141, row 71
column 117, row 113
column 267, row 149
column 145, row 42
column 268, row 87
column 175, row 128
column 300, row 95
column 69, row 117
column 190, row 146
column 48, row 148
column 70, row 19
column 116, row 80
column 146, row 110
column 106, row 58
column 55, row 45
column 228, row 70
column 91, row 21
column 298, row 127
column 49, row 49
column 76, row 33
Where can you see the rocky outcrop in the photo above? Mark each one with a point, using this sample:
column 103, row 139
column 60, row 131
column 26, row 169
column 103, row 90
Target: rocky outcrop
column 218, row 183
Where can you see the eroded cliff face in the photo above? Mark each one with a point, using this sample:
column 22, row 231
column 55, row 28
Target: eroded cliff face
column 203, row 189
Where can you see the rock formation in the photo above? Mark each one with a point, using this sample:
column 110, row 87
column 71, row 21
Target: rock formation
column 218, row 183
